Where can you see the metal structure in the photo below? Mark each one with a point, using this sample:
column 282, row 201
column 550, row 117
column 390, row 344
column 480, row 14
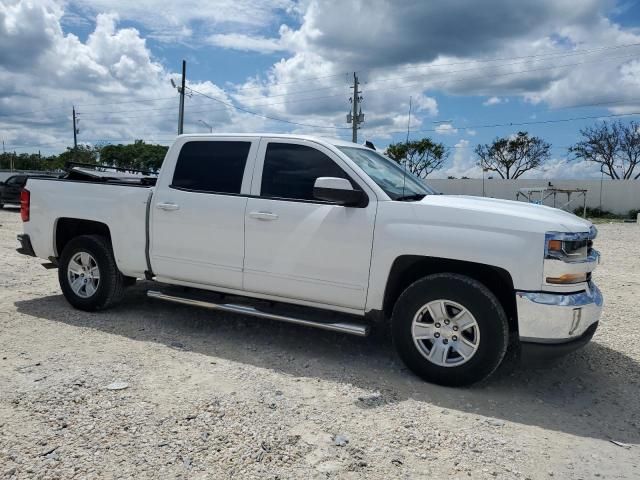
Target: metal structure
column 539, row 195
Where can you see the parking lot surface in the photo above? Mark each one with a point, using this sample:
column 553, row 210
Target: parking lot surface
column 155, row 390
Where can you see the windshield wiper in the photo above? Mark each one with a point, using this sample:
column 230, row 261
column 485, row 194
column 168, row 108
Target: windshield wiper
column 412, row 197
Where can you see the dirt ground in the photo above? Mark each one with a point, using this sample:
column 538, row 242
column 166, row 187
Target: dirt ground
column 222, row 396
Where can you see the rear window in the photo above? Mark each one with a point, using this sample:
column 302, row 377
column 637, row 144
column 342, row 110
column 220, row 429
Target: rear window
column 211, row 166
column 18, row 180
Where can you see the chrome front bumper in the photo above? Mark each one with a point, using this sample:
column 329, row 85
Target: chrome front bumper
column 557, row 317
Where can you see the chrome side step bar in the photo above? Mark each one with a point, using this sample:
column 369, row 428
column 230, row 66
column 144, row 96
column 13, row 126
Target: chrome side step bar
column 343, row 327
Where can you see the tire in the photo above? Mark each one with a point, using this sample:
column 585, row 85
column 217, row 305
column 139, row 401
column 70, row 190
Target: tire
column 85, row 254
column 461, row 301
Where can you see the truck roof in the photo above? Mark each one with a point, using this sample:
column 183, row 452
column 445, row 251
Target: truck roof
column 314, row 138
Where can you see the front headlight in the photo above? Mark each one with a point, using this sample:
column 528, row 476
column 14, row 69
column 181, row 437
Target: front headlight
column 569, row 257
column 569, row 247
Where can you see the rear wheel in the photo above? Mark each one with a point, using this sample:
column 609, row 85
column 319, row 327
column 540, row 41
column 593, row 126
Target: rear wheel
column 450, row 329
column 88, row 275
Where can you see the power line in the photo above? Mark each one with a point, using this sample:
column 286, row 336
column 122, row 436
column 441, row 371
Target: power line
column 534, row 122
column 266, row 116
column 374, row 89
column 431, row 76
column 84, row 114
column 82, row 105
column 437, row 74
column 399, row 87
column 448, row 64
column 550, row 54
column 599, row 104
column 128, row 101
column 297, row 100
column 308, row 79
column 32, row 111
column 386, row 79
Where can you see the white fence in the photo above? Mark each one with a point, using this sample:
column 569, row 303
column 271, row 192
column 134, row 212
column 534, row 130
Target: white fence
column 617, row 196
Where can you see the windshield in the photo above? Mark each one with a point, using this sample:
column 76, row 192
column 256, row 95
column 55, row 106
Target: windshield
column 389, row 176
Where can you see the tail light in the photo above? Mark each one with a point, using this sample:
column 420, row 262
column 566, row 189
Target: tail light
column 25, row 203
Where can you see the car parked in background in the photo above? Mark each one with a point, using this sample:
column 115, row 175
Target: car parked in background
column 10, row 189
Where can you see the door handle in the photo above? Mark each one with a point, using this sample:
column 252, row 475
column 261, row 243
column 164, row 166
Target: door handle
column 263, row 215
column 168, row 206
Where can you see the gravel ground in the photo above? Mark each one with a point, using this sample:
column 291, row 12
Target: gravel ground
column 222, row 396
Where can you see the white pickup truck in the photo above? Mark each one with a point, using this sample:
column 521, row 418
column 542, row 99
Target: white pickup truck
column 328, row 234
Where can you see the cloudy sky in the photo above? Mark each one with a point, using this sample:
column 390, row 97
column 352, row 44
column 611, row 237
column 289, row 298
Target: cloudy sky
column 473, row 72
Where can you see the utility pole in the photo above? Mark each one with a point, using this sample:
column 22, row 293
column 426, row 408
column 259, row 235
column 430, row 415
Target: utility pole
column 75, row 130
column 4, row 156
column 181, row 90
column 355, row 117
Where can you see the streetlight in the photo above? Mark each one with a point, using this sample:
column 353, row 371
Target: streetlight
column 206, row 125
column 483, row 172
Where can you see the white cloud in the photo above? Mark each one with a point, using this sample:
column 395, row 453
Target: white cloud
column 400, row 66
column 566, row 169
column 446, row 129
column 493, row 101
column 427, row 104
column 471, row 132
column 237, row 41
column 110, row 78
column 171, row 21
column 462, row 162
column 399, row 50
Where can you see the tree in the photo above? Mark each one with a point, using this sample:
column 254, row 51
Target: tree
column 615, row 147
column 81, row 154
column 510, row 157
column 421, row 157
column 138, row 155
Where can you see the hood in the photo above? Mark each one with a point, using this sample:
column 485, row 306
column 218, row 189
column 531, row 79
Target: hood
column 527, row 216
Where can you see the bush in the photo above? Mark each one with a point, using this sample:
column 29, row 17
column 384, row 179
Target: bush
column 598, row 213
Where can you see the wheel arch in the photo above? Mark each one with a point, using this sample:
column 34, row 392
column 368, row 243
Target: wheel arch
column 67, row 228
column 406, row 269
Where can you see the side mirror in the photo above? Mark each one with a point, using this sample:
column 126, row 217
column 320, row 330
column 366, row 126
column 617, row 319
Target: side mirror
column 338, row 191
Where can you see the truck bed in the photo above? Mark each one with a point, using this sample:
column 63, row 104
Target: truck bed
column 118, row 203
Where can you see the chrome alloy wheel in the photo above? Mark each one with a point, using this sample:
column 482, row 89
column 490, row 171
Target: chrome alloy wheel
column 83, row 274
column 445, row 333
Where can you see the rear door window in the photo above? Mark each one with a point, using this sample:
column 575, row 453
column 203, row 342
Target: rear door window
column 211, row 166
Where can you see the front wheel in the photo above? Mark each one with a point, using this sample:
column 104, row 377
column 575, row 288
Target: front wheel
column 88, row 274
column 450, row 329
